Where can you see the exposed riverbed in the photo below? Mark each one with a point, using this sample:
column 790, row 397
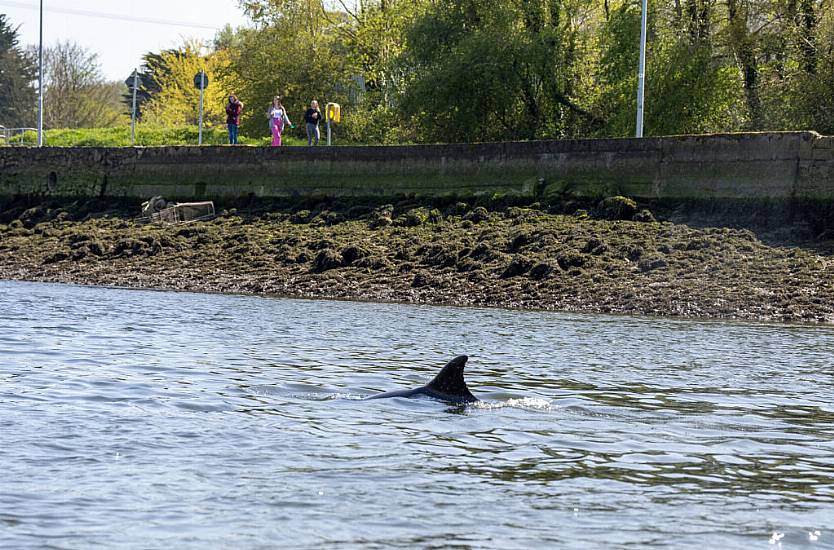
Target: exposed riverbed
column 525, row 257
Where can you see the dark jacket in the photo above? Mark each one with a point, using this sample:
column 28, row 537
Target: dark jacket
column 233, row 113
column 308, row 116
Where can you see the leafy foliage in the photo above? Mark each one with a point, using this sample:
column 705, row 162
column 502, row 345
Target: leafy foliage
column 478, row 70
column 177, row 103
column 76, row 94
column 18, row 70
column 296, row 53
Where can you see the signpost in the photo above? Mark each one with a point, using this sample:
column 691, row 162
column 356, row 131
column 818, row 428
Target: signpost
column 201, row 82
column 133, row 82
column 40, row 80
column 641, row 71
column 332, row 113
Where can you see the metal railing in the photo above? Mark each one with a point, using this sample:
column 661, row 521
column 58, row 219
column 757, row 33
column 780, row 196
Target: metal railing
column 7, row 135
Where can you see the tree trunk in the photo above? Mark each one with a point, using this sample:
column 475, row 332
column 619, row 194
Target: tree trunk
column 744, row 50
column 807, row 40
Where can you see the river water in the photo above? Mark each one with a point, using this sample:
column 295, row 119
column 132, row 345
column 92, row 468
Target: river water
column 138, row 419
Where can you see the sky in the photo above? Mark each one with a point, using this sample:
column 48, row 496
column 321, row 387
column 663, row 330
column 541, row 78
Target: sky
column 149, row 25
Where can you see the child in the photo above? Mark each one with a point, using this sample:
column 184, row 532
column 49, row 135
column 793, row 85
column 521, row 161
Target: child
column 277, row 118
column 233, row 109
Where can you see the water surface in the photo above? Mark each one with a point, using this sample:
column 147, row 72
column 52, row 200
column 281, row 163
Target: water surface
column 136, row 419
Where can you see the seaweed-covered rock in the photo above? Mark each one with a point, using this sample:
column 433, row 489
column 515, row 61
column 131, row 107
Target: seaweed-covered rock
column 634, row 253
column 615, row 208
column 541, row 271
column 382, row 216
column 644, row 216
column 358, row 211
column 284, row 253
column 327, row 218
column 372, row 263
column 301, row 217
column 420, row 280
column 467, row 264
column 326, row 260
column 514, row 212
column 569, row 258
column 189, row 232
column 698, row 244
column 79, row 254
column 519, row 241
column 95, row 248
column 477, row 215
column 352, row 253
column 11, row 214
column 518, row 266
column 594, row 246
column 482, row 252
column 414, row 217
column 650, row 264
column 33, row 216
column 438, row 256
column 128, row 247
column 56, row 257
column 459, row 209
column 321, row 244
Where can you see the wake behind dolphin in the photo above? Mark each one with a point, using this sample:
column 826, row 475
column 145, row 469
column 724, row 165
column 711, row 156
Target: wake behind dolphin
column 448, row 385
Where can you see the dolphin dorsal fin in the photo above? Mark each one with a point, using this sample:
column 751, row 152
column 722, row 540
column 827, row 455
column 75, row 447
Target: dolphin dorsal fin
column 449, row 381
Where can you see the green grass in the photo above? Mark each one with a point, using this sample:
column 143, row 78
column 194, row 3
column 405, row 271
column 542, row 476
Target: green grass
column 145, row 136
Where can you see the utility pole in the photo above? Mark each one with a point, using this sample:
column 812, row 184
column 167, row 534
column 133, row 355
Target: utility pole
column 40, row 81
column 133, row 111
column 200, row 82
column 641, row 71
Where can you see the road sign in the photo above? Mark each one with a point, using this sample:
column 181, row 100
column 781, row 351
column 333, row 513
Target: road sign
column 201, row 80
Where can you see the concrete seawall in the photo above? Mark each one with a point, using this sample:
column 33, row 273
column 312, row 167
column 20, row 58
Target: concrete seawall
column 780, row 167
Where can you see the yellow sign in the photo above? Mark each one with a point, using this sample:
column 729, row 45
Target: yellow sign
column 334, row 112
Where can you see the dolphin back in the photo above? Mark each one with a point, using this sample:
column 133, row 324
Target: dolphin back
column 449, row 383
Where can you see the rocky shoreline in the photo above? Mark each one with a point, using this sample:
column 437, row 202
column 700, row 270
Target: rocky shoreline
column 606, row 258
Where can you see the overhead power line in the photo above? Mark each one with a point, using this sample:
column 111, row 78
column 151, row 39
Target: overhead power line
column 111, row 16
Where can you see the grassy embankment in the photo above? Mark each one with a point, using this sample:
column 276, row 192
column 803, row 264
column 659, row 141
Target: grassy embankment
column 145, row 136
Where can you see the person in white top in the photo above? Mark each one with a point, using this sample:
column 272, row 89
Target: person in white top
column 277, row 120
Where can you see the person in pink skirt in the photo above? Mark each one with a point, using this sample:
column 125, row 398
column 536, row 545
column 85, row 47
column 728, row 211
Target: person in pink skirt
column 277, row 120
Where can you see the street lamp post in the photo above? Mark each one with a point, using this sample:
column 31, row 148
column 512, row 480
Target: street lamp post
column 641, row 71
column 40, row 81
column 133, row 109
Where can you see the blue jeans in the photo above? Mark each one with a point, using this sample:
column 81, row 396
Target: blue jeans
column 312, row 133
column 233, row 134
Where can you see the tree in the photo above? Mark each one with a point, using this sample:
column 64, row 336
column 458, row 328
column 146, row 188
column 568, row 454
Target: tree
column 481, row 70
column 177, row 103
column 296, row 51
column 76, row 95
column 689, row 89
column 18, row 72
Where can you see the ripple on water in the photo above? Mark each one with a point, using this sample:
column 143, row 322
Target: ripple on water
column 242, row 420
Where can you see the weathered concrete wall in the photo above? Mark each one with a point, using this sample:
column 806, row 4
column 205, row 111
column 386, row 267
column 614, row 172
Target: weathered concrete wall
column 771, row 166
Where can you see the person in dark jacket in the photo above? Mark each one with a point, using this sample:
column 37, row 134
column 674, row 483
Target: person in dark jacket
column 312, row 117
column 233, row 110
